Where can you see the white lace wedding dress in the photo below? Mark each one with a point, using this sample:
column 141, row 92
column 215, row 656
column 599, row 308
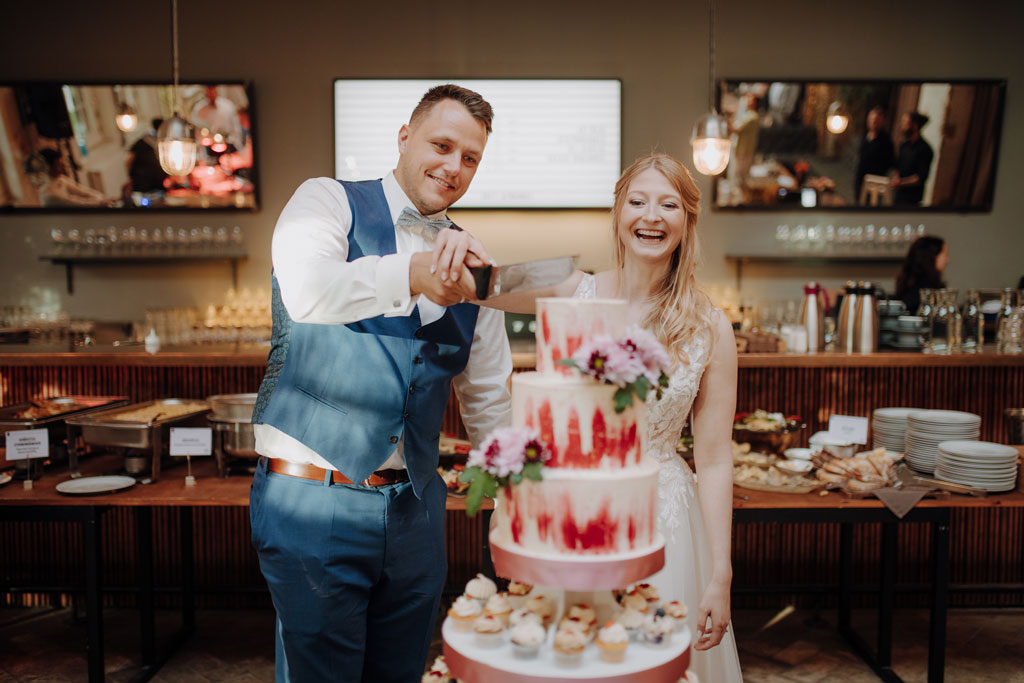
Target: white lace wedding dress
column 687, row 554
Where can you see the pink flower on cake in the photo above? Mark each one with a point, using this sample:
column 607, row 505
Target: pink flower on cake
column 636, row 363
column 507, row 456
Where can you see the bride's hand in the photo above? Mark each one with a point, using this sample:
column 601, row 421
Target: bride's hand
column 714, row 605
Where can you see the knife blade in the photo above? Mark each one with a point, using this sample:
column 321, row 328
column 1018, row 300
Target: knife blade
column 519, row 277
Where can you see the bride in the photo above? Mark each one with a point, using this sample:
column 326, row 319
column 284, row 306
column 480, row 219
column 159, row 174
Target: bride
column 654, row 222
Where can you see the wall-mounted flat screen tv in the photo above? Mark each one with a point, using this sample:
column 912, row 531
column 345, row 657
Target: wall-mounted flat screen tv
column 556, row 143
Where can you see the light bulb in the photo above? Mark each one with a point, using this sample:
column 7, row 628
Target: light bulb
column 711, row 144
column 836, row 123
column 126, row 121
column 176, row 145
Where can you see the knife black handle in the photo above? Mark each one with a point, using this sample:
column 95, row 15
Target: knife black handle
column 482, row 279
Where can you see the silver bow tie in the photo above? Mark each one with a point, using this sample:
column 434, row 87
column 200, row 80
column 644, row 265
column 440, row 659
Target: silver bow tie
column 429, row 226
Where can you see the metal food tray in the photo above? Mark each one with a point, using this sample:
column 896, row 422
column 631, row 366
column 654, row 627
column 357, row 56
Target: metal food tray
column 89, row 404
column 101, row 429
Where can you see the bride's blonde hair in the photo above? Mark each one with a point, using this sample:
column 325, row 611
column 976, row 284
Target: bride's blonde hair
column 680, row 311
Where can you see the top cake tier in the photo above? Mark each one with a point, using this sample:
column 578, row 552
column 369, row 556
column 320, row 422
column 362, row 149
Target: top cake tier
column 563, row 325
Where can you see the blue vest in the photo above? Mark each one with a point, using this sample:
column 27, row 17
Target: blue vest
column 351, row 392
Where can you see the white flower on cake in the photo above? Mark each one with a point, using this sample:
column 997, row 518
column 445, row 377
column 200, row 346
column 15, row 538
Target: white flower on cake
column 635, row 363
column 507, row 455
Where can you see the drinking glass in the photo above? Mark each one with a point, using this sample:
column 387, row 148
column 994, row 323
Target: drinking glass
column 925, row 311
column 944, row 321
column 1013, row 340
column 973, row 337
column 1006, row 308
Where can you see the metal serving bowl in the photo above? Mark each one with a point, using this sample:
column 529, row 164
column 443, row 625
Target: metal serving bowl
column 767, row 442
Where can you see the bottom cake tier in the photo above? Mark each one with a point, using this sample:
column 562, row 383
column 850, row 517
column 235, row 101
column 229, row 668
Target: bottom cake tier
column 500, row 663
column 581, row 512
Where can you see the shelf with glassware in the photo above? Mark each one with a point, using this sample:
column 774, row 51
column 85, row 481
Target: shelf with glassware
column 131, row 245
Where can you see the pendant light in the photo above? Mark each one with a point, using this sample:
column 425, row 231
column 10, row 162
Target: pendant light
column 176, row 140
column 126, row 118
column 836, row 120
column 710, row 139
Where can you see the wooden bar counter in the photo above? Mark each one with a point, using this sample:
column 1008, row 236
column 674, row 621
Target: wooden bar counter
column 770, row 559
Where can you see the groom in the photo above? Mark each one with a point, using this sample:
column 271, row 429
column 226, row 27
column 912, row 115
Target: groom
column 347, row 509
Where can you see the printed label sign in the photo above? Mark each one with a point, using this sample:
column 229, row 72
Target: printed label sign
column 28, row 443
column 849, row 428
column 191, row 441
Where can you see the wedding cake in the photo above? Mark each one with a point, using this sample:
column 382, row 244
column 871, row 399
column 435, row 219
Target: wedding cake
column 598, row 492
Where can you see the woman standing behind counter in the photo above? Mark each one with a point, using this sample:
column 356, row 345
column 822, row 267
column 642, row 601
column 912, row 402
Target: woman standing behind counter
column 922, row 269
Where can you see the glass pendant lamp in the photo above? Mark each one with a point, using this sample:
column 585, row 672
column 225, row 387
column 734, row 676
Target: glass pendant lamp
column 711, row 141
column 176, row 142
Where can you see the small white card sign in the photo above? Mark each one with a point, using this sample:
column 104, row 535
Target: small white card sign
column 191, row 441
column 849, row 428
column 28, row 443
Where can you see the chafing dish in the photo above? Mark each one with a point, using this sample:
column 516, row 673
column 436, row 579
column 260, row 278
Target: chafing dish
column 116, row 428
column 61, row 407
column 234, row 443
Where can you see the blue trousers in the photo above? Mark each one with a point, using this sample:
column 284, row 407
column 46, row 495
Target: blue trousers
column 355, row 574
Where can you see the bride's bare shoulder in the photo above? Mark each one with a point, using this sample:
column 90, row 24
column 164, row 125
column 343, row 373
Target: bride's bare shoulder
column 605, row 283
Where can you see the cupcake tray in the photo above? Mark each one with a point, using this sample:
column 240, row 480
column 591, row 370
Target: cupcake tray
column 471, row 663
column 579, row 573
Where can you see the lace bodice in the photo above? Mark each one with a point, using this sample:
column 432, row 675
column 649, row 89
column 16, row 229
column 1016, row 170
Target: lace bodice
column 665, row 421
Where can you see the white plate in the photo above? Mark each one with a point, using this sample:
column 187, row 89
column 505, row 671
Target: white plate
column 799, row 453
column 795, row 466
column 895, row 414
column 4, row 478
column 980, row 449
column 943, row 417
column 88, row 486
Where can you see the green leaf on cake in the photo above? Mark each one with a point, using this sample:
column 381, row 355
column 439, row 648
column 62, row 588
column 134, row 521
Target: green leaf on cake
column 568, row 362
column 469, row 474
column 641, row 386
column 531, row 470
column 623, row 399
column 474, row 496
column 490, row 486
column 516, row 477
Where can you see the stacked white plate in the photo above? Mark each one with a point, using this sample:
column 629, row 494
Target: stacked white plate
column 889, row 428
column 926, row 429
column 989, row 466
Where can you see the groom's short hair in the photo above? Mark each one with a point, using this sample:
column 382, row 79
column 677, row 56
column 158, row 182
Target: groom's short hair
column 472, row 101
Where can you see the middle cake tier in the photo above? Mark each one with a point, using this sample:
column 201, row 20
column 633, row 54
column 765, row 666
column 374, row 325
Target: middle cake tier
column 576, row 418
column 582, row 512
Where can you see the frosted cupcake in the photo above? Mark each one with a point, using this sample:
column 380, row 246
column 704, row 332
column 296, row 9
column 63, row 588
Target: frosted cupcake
column 650, row 594
column 677, row 612
column 584, row 613
column 632, row 620
column 463, row 612
column 481, row 588
column 440, row 665
column 635, row 600
column 522, row 614
column 612, row 640
column 658, row 629
column 488, row 631
column 542, row 607
column 517, row 593
column 568, row 647
column 575, row 624
column 527, row 637
column 498, row 606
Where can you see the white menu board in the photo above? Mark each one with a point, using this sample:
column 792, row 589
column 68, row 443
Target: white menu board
column 556, row 143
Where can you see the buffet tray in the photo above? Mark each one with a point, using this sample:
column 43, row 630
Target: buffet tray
column 77, row 405
column 103, row 429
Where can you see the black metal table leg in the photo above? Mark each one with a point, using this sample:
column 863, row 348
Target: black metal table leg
column 845, row 574
column 188, row 600
column 144, row 558
column 92, row 545
column 940, row 600
column 887, row 593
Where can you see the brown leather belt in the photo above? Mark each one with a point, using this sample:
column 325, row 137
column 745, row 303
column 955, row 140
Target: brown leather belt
column 306, row 471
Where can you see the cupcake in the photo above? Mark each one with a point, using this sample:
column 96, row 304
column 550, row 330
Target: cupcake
column 463, row 612
column 690, row 677
column 481, row 588
column 488, row 631
column 635, row 600
column 658, row 629
column 440, row 665
column 650, row 594
column 498, row 606
column 677, row 612
column 517, row 593
column 632, row 620
column 568, row 647
column 522, row 614
column 575, row 624
column 584, row 613
column 612, row 640
column 526, row 638
column 542, row 607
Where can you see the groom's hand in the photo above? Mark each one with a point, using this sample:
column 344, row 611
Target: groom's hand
column 423, row 279
column 454, row 249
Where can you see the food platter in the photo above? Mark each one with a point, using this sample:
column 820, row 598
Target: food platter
column 90, row 486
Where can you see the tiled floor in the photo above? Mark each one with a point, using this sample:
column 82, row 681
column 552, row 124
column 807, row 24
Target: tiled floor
column 237, row 647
